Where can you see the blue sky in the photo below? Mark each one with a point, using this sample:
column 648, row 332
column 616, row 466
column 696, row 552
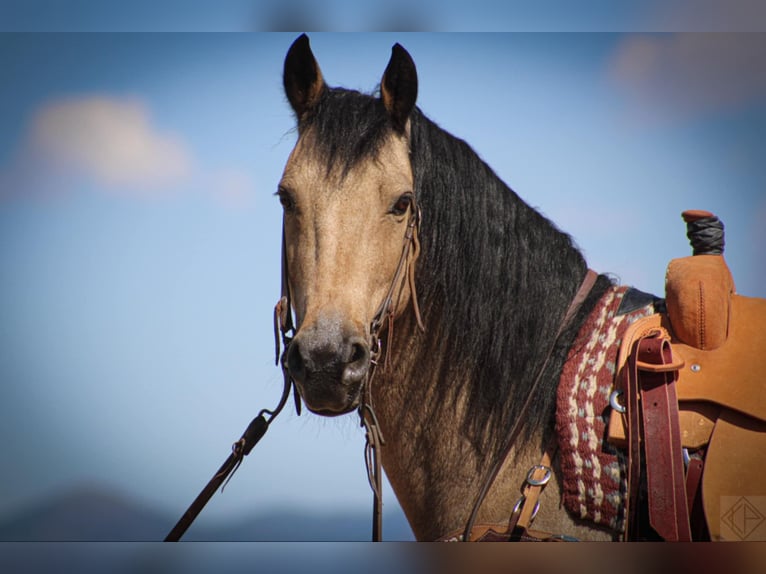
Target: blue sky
column 139, row 238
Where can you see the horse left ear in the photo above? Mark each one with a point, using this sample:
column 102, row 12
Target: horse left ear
column 302, row 77
column 399, row 87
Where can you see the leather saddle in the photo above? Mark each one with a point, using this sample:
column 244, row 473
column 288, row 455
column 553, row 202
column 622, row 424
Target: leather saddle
column 718, row 344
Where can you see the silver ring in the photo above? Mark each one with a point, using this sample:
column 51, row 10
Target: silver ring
column 534, row 512
column 614, row 403
column 518, row 505
column 538, row 481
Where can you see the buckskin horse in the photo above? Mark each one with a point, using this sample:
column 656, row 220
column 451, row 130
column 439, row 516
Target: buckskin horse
column 500, row 379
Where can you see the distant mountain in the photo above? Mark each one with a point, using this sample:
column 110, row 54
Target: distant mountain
column 97, row 513
column 85, row 513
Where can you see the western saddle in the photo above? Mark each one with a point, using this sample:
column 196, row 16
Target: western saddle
column 690, row 404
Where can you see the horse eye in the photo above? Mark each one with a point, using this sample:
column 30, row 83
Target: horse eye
column 402, row 204
column 286, row 200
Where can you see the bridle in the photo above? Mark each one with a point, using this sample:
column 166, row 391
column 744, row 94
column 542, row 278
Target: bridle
column 384, row 317
column 284, row 332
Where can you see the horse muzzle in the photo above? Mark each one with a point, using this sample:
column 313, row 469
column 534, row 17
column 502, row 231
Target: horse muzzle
column 329, row 367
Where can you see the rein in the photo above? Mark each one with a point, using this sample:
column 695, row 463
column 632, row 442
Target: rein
column 240, row 449
column 283, row 323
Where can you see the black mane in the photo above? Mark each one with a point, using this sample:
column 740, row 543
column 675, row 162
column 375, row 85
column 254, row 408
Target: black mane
column 349, row 127
column 494, row 274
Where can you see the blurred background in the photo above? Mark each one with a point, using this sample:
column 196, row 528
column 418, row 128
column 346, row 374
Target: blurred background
column 139, row 235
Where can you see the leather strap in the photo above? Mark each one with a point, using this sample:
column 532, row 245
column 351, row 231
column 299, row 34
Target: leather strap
column 283, row 324
column 240, row 449
column 694, row 499
column 405, row 271
column 534, row 484
column 631, row 392
column 654, row 424
column 497, row 532
column 524, row 512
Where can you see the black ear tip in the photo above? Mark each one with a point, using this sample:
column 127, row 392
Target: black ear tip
column 301, row 42
column 398, row 50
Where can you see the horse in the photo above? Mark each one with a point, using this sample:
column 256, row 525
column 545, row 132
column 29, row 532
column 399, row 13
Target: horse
column 426, row 291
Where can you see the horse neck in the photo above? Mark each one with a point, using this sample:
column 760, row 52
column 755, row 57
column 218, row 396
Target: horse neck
column 422, row 440
column 431, row 456
column 492, row 302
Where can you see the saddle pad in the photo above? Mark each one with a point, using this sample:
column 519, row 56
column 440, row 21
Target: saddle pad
column 594, row 471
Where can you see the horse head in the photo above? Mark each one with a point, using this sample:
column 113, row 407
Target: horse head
column 349, row 215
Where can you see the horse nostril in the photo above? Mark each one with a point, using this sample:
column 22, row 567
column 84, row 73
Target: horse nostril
column 359, row 353
column 359, row 362
column 296, row 363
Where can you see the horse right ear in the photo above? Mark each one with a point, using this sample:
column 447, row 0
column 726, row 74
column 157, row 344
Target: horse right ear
column 399, row 87
column 302, row 77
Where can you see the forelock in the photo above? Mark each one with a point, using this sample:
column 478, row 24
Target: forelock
column 346, row 127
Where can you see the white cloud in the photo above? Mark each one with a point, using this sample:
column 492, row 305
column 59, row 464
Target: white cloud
column 112, row 141
column 692, row 74
column 116, row 144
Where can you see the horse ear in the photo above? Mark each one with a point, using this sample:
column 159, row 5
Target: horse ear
column 302, row 77
column 399, row 87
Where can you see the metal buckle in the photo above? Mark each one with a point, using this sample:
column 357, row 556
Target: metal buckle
column 531, row 480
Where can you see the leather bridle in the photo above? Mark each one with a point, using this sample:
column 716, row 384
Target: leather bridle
column 284, row 332
column 384, row 317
